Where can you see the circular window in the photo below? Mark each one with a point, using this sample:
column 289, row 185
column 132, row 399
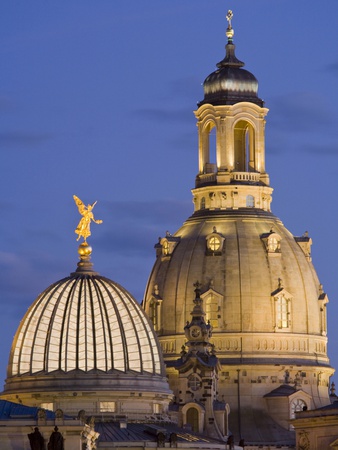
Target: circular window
column 214, row 244
column 194, row 382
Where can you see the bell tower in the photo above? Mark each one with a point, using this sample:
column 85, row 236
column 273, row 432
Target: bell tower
column 231, row 142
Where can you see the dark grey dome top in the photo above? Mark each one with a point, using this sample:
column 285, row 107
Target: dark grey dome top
column 230, row 83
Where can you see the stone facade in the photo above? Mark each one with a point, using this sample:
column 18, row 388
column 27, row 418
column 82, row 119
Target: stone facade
column 259, row 288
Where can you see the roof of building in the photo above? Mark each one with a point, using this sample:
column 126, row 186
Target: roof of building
column 113, row 432
column 85, row 324
column 230, row 83
column 10, row 410
column 285, row 390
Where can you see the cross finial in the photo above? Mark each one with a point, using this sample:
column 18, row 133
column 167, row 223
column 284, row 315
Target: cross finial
column 229, row 16
column 229, row 32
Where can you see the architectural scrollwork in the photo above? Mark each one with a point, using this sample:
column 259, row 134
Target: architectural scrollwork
column 303, row 441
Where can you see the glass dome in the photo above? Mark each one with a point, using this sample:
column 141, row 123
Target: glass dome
column 83, row 323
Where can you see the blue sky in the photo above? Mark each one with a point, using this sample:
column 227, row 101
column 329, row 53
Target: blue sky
column 96, row 99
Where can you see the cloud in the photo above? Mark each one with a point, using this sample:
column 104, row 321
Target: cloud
column 165, row 115
column 188, row 87
column 301, row 112
column 22, row 138
column 319, row 148
column 137, row 225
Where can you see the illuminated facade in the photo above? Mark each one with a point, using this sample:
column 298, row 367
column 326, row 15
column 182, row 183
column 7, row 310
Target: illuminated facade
column 245, row 351
column 75, row 338
column 260, row 291
column 86, row 359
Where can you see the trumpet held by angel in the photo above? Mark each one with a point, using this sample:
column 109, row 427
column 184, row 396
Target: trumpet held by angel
column 83, row 228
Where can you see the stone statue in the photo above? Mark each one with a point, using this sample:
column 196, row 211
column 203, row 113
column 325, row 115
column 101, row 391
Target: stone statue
column 90, row 437
column 160, row 439
column 42, row 414
column 230, row 442
column 173, row 440
column 59, row 414
column 36, row 440
column 56, row 440
column 83, row 228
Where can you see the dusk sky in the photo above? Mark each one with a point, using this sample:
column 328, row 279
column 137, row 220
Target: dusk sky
column 97, row 100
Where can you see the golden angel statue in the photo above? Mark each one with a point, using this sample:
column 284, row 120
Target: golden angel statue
column 83, row 228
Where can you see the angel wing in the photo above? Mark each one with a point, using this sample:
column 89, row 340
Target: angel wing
column 81, row 207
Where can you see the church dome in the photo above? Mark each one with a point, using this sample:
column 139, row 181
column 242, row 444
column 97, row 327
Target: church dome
column 230, row 83
column 260, row 291
column 85, row 332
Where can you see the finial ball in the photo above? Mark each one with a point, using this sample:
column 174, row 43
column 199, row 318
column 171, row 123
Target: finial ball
column 85, row 249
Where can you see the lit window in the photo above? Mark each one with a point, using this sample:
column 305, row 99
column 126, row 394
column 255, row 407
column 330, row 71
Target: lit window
column 272, row 244
column 250, row 201
column 211, row 310
column 296, row 406
column 214, row 244
column 165, row 247
column 283, row 312
column 156, row 408
column 107, row 407
column 48, row 406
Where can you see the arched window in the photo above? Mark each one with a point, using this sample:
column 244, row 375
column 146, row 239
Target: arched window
column 203, row 203
column 192, row 419
column 212, row 301
column 212, row 310
column 296, row 405
column 153, row 313
column 250, row 201
column 244, row 147
column 210, row 148
column 283, row 311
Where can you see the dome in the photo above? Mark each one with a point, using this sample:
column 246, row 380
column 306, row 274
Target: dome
column 230, row 83
column 263, row 299
column 245, row 261
column 85, row 331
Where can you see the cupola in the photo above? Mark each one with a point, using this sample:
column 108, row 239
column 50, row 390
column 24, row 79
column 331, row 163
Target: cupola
column 230, row 83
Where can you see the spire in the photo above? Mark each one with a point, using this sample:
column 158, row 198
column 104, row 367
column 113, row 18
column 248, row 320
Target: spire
column 230, row 84
column 231, row 139
column 230, row 59
column 197, row 331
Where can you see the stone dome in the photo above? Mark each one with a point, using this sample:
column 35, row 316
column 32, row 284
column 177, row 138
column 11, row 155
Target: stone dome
column 245, row 260
column 85, row 332
column 265, row 304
